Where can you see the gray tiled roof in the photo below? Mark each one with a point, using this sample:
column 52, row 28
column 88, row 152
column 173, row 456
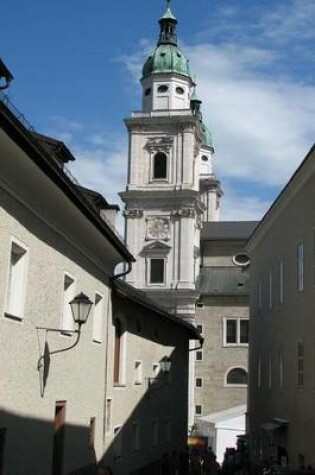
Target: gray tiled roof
column 142, row 299
column 227, row 230
column 223, row 280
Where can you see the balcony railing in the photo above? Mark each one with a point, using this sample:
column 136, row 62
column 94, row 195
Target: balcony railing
column 163, row 113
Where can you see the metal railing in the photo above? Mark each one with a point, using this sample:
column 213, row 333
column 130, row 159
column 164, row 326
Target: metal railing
column 162, row 113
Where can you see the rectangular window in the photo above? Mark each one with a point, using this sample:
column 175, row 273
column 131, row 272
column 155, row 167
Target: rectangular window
column 258, row 372
column 269, row 363
column 138, row 372
column 108, row 416
column 200, row 328
column 92, row 432
column 300, row 267
column 117, row 444
column 68, row 295
column 270, row 289
column 235, row 331
column 155, row 430
column 168, row 430
column 280, row 369
column 198, row 410
column 231, row 331
column 157, row 271
column 16, row 287
column 198, row 382
column 97, row 320
column 135, row 437
column 244, row 331
column 281, row 283
column 300, row 365
column 259, row 297
column 199, row 355
column 155, row 370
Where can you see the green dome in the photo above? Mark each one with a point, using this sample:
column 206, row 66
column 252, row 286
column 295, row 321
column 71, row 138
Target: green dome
column 206, row 136
column 166, row 58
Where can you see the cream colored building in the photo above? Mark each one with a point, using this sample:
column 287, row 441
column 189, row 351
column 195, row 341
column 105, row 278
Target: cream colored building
column 59, row 410
column 282, row 365
column 222, row 316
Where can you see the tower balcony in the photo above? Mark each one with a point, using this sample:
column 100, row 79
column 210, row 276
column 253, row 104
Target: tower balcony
column 162, row 113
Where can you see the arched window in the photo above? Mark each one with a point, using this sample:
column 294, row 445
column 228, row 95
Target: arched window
column 117, row 351
column 237, row 376
column 159, row 166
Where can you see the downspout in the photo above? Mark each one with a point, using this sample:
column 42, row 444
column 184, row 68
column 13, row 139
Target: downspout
column 114, row 277
column 198, row 347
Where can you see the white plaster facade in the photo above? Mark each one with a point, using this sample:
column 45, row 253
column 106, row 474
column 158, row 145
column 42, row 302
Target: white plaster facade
column 53, row 245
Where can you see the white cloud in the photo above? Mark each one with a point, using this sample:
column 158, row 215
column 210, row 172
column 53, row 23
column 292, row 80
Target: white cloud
column 101, row 157
column 260, row 114
column 238, row 207
column 290, row 20
column 262, row 125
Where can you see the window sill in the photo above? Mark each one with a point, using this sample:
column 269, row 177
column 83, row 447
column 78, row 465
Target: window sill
column 119, row 385
column 97, row 342
column 15, row 318
column 235, row 345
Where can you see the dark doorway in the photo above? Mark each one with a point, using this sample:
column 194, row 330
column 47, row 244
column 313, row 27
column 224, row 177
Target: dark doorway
column 3, row 432
column 59, row 425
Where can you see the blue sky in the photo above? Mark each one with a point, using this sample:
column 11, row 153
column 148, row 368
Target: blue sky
column 77, row 66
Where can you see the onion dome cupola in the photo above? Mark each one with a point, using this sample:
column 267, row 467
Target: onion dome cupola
column 206, row 137
column 166, row 77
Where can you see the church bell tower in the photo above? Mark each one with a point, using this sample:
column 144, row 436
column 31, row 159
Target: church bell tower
column 171, row 188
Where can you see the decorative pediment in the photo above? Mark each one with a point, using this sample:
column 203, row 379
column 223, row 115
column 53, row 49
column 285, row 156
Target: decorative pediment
column 156, row 247
column 160, row 144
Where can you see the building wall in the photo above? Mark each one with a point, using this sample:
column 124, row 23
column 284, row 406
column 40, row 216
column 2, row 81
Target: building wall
column 162, row 399
column 214, row 395
column 277, row 327
column 74, row 376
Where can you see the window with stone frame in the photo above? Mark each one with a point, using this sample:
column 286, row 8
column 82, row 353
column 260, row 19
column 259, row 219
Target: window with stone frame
column 235, row 331
column 236, row 377
column 300, row 365
column 119, row 352
column 159, row 166
column 16, row 285
column 157, row 271
column 300, row 267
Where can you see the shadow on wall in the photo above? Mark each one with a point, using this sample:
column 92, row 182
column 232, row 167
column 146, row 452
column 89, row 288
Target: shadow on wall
column 33, row 447
column 157, row 424
column 38, row 447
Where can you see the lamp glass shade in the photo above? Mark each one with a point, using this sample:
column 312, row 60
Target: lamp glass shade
column 80, row 308
column 166, row 364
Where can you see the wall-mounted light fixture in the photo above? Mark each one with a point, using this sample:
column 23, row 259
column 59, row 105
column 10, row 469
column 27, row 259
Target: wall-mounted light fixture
column 161, row 379
column 80, row 309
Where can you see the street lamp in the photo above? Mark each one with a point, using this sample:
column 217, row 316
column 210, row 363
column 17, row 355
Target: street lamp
column 80, row 308
column 162, row 378
column 166, row 364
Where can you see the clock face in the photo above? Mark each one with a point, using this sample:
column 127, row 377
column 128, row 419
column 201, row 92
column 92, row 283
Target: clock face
column 158, row 228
